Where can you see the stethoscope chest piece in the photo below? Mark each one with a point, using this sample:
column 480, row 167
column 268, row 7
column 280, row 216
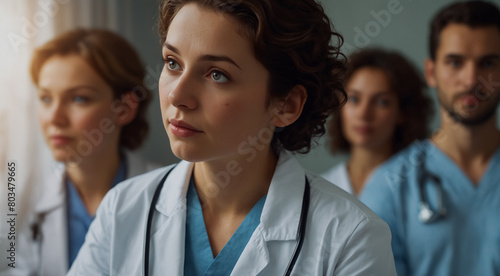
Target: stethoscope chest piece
column 427, row 215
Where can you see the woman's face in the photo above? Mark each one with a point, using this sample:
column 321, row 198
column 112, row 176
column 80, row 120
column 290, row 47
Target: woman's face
column 371, row 114
column 213, row 91
column 76, row 111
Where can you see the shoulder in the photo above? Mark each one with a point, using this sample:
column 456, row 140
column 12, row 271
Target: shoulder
column 338, row 176
column 333, row 203
column 135, row 190
column 394, row 172
column 338, row 218
column 334, row 173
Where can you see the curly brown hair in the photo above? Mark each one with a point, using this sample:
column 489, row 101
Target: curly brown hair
column 292, row 40
column 116, row 62
column 415, row 106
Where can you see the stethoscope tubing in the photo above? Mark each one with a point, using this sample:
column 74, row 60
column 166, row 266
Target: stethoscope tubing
column 300, row 231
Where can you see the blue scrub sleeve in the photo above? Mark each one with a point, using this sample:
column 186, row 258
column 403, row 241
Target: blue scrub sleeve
column 379, row 195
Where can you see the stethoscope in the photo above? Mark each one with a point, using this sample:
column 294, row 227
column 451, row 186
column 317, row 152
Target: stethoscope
column 300, row 231
column 427, row 214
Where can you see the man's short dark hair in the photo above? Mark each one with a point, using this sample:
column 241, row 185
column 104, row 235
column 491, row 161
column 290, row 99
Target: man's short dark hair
column 473, row 14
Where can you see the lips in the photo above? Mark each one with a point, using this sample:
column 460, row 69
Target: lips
column 60, row 140
column 469, row 100
column 363, row 130
column 182, row 129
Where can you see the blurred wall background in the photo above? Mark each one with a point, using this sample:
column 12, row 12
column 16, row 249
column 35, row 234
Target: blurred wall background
column 395, row 24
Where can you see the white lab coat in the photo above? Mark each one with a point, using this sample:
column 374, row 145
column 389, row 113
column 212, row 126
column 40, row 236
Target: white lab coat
column 343, row 236
column 338, row 175
column 47, row 254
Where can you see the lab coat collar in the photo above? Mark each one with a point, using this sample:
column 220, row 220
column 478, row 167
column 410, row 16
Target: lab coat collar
column 285, row 193
column 54, row 194
column 281, row 214
column 173, row 194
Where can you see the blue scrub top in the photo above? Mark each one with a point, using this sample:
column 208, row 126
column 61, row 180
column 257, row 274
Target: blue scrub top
column 466, row 241
column 199, row 259
column 79, row 219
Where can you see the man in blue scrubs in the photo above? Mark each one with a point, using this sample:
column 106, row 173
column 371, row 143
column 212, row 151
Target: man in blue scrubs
column 457, row 233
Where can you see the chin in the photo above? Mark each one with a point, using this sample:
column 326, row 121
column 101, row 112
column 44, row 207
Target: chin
column 65, row 156
column 190, row 155
column 59, row 156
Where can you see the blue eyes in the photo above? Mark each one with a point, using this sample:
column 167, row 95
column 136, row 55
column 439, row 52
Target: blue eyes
column 76, row 99
column 80, row 99
column 44, row 99
column 215, row 75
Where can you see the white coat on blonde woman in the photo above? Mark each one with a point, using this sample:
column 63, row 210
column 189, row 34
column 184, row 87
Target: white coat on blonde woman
column 342, row 236
column 44, row 246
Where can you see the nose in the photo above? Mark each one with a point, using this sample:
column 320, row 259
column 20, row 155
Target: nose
column 56, row 114
column 470, row 76
column 183, row 93
column 364, row 110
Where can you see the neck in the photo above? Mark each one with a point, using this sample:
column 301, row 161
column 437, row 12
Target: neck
column 465, row 143
column 93, row 177
column 363, row 161
column 232, row 187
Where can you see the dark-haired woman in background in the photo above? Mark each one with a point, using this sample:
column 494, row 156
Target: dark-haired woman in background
column 386, row 110
column 240, row 203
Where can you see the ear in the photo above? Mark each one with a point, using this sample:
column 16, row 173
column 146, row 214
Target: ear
column 289, row 109
column 129, row 105
column 430, row 72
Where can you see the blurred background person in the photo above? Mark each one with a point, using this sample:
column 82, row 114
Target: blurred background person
column 441, row 196
column 386, row 110
column 92, row 104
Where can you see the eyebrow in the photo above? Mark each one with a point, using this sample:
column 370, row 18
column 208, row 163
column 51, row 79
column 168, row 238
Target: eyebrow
column 204, row 57
column 73, row 89
column 380, row 93
column 457, row 56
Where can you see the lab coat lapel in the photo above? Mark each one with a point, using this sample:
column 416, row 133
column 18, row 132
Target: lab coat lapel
column 168, row 235
column 50, row 215
column 255, row 256
column 279, row 220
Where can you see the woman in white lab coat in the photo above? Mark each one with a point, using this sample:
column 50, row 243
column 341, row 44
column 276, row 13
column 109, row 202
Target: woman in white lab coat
column 92, row 105
column 386, row 110
column 245, row 84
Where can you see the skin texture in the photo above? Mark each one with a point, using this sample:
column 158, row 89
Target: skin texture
column 371, row 113
column 465, row 60
column 466, row 74
column 217, row 113
column 81, row 123
column 369, row 119
column 74, row 99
